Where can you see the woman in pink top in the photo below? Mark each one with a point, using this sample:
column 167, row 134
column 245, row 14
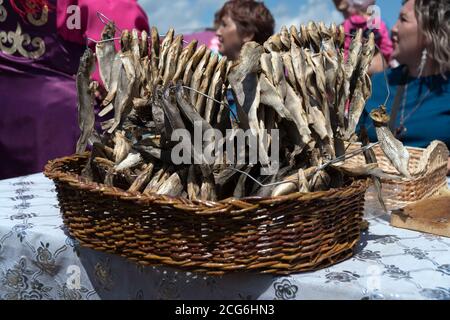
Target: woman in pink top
column 37, row 84
column 357, row 17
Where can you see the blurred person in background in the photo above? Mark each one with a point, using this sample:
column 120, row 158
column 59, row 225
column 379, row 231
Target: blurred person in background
column 238, row 22
column 40, row 49
column 420, row 95
column 241, row 21
column 357, row 17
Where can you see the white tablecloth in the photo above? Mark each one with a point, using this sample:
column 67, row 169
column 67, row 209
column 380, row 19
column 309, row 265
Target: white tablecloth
column 39, row 261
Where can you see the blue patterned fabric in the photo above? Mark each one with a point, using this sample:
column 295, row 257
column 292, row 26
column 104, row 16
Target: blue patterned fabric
column 39, row 261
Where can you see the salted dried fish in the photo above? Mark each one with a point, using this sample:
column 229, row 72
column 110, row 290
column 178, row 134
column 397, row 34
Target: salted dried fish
column 155, row 54
column 285, row 38
column 318, row 122
column 340, row 36
column 171, row 110
column 205, row 82
column 133, row 159
column 215, row 89
column 320, row 181
column 364, row 170
column 266, row 66
column 304, row 36
column 152, row 185
column 361, row 93
column 207, row 189
column 158, row 112
column 126, row 87
column 394, row 150
column 193, row 63
column 270, row 97
column 273, row 44
column 320, row 78
column 193, row 189
column 293, row 104
column 164, row 50
column 153, row 151
column 122, row 147
column 294, row 183
column 173, row 186
column 85, row 91
column 172, row 58
column 136, row 52
column 185, row 56
column 197, row 77
column 116, row 70
column 349, row 70
column 314, row 37
column 287, row 61
column 295, row 36
column 106, row 52
column 142, row 179
column 243, row 80
column 279, row 80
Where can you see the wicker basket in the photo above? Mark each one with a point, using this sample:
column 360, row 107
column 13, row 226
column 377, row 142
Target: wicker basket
column 282, row 235
column 426, row 183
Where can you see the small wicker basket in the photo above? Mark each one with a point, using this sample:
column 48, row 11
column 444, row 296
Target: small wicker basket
column 282, row 235
column 428, row 168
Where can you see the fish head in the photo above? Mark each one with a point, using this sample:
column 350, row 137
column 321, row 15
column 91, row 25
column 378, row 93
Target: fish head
column 87, row 61
column 125, row 40
column 144, row 44
column 380, row 116
column 109, row 31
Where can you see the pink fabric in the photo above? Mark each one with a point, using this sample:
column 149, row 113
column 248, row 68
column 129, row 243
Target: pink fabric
column 207, row 37
column 127, row 14
column 383, row 39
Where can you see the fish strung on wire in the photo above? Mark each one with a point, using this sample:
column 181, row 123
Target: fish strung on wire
column 394, row 150
column 86, row 95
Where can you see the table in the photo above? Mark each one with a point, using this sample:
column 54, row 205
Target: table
column 39, row 261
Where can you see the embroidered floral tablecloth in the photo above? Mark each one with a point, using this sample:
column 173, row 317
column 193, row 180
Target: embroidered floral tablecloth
column 39, row 261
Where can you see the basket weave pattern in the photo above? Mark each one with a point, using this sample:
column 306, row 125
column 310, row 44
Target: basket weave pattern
column 282, row 235
column 398, row 193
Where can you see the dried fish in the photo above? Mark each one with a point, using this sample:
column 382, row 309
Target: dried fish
column 85, row 91
column 215, row 89
column 273, row 44
column 173, row 186
column 121, row 148
column 394, row 150
column 155, row 54
column 243, row 80
column 314, row 37
column 197, row 77
column 185, row 56
column 192, row 64
column 164, row 50
column 193, row 189
column 106, row 52
column 133, row 159
column 285, row 38
column 172, row 58
column 295, row 36
column 205, row 83
column 142, row 179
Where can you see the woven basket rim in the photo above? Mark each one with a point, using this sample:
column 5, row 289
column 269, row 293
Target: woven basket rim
column 53, row 171
column 429, row 170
